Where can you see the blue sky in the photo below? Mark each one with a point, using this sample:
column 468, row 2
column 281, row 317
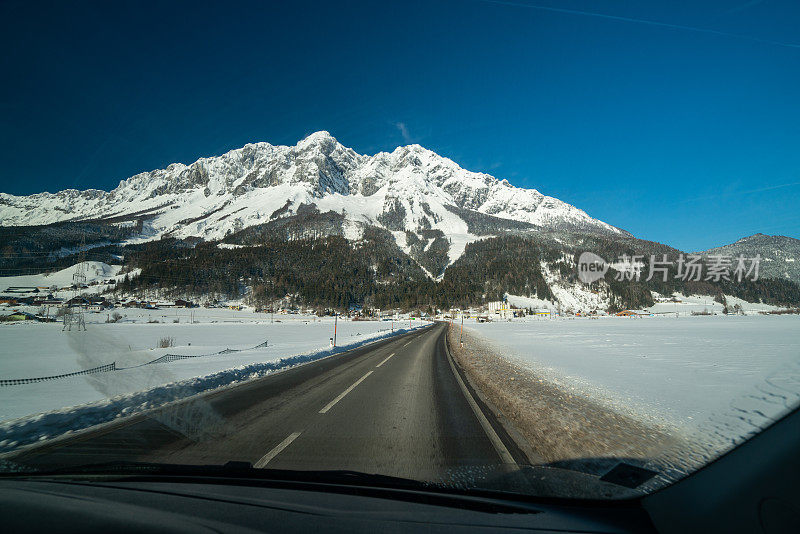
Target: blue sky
column 678, row 121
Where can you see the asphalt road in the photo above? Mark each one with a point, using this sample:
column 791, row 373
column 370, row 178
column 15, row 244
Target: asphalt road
column 396, row 407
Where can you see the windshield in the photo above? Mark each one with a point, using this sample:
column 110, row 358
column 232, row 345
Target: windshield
column 543, row 248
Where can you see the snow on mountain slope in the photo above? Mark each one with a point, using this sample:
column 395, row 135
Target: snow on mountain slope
column 93, row 270
column 408, row 190
column 780, row 255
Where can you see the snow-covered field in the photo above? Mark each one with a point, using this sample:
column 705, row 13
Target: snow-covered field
column 94, row 271
column 29, row 350
column 579, row 298
column 705, row 304
column 714, row 379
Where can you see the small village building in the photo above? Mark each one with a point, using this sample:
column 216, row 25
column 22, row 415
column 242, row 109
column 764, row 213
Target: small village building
column 22, row 289
column 78, row 302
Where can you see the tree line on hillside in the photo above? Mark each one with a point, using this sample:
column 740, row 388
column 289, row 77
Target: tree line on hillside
column 25, row 249
column 327, row 271
column 333, row 272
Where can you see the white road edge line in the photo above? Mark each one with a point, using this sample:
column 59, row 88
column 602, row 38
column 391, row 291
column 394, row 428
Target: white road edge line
column 497, row 443
column 343, row 393
column 274, row 452
column 386, row 360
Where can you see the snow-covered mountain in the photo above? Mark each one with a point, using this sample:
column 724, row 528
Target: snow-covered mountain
column 408, row 191
column 780, row 255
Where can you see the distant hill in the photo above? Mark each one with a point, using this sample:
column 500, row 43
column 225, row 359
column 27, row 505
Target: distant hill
column 780, row 255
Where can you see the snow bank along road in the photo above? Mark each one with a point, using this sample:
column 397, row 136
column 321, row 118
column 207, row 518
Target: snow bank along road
column 396, row 407
column 226, row 346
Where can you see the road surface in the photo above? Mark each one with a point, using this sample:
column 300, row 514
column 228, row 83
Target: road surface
column 396, row 407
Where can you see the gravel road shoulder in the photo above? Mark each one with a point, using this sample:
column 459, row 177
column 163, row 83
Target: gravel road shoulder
column 554, row 426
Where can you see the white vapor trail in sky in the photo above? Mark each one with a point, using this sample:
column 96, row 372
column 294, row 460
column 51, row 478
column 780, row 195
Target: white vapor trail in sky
column 639, row 21
column 739, row 193
column 404, row 132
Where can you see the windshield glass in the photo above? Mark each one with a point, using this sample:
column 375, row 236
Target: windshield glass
column 549, row 249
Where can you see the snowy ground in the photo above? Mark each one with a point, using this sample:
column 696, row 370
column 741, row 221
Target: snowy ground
column 94, row 271
column 715, row 380
column 704, row 303
column 31, row 350
column 578, row 298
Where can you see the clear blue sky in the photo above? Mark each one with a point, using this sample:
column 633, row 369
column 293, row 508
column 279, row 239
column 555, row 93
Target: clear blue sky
column 676, row 120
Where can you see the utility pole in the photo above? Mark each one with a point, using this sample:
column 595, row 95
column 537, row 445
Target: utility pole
column 71, row 317
column 461, row 335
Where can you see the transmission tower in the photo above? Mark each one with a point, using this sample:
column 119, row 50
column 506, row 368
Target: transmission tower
column 74, row 316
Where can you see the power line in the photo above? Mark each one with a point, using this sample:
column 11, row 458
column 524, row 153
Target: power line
column 74, row 315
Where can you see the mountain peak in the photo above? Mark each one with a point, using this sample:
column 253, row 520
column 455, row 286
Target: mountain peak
column 412, row 189
column 317, row 138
